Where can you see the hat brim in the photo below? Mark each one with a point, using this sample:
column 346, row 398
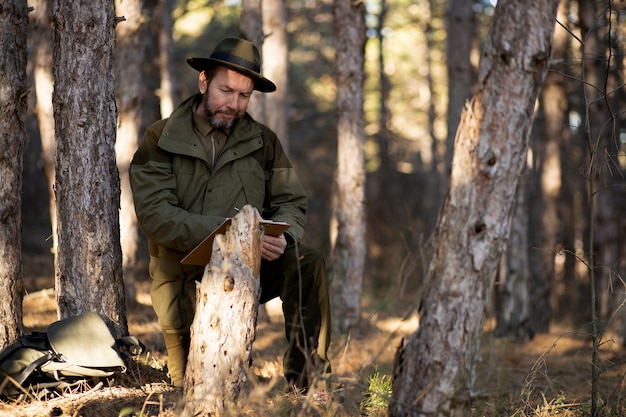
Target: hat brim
column 261, row 83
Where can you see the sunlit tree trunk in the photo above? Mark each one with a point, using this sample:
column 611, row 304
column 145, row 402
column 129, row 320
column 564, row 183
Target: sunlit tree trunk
column 349, row 244
column 13, row 99
column 168, row 96
column 41, row 33
column 129, row 59
column 434, row 371
column 547, row 281
column 88, row 275
column 251, row 28
column 546, row 188
column 276, row 51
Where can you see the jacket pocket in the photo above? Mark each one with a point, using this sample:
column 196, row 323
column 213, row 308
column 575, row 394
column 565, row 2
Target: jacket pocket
column 253, row 185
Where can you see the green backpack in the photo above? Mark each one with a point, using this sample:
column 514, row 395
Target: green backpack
column 70, row 352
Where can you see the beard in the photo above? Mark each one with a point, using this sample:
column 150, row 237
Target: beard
column 213, row 115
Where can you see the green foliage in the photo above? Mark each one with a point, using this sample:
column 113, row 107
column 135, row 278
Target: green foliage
column 378, row 392
column 130, row 412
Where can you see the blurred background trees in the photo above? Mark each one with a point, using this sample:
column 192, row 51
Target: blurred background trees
column 420, row 61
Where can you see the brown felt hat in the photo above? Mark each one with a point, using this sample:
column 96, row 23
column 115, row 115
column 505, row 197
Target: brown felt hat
column 240, row 55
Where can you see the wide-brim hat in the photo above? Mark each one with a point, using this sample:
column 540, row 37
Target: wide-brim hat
column 240, row 55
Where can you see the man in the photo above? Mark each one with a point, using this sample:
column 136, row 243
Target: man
column 190, row 173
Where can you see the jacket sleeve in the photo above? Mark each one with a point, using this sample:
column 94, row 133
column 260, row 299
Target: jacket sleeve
column 158, row 213
column 286, row 199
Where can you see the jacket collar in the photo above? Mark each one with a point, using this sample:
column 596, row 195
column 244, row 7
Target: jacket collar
column 178, row 135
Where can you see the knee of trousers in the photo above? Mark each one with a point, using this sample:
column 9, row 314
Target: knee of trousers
column 173, row 295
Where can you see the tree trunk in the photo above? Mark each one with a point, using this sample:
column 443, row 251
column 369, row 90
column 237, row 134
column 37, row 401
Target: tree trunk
column 380, row 185
column 88, row 274
column 434, row 372
column 547, row 215
column 41, row 33
column 13, row 99
column 572, row 278
column 546, row 190
column 224, row 326
column 129, row 59
column 349, row 246
column 600, row 138
column 251, row 28
column 513, row 307
column 275, row 45
column 167, row 91
column 461, row 36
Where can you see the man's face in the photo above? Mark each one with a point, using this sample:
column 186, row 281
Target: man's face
column 226, row 96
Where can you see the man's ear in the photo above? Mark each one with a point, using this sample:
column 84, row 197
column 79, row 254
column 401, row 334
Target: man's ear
column 202, row 82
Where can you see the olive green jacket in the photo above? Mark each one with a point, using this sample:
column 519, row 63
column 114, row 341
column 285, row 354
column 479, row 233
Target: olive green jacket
column 179, row 200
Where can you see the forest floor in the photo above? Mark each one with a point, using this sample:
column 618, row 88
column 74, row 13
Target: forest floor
column 550, row 375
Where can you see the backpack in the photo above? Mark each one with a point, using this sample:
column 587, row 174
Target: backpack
column 71, row 352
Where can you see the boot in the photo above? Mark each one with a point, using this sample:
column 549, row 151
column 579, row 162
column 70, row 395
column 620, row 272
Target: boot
column 177, row 345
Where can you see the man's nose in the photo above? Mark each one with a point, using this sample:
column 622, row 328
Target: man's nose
column 233, row 101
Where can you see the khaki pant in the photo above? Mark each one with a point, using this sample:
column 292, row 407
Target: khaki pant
column 298, row 277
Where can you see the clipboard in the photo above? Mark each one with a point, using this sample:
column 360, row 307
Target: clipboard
column 201, row 254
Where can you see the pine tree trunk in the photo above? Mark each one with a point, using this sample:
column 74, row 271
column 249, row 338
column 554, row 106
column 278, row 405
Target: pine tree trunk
column 14, row 92
column 224, row 326
column 41, row 33
column 89, row 262
column 434, row 372
column 513, row 308
column 546, row 189
column 251, row 28
column 349, row 247
column 167, row 90
column 461, row 32
column 276, row 47
column 129, row 60
column 600, row 138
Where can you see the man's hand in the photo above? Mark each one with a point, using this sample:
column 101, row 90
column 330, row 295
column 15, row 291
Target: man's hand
column 273, row 247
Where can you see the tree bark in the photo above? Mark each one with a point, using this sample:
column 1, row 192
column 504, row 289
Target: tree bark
column 513, row 295
column 88, row 274
column 434, row 372
column 600, row 139
column 276, row 46
column 461, row 36
column 224, row 326
column 13, row 99
column 251, row 28
column 572, row 279
column 168, row 95
column 129, row 59
column 41, row 33
column 546, row 190
column 349, row 246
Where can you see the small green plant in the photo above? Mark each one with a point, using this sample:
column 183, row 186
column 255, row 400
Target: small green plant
column 378, row 392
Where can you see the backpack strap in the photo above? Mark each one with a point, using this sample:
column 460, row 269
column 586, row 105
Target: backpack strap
column 35, row 340
column 23, row 376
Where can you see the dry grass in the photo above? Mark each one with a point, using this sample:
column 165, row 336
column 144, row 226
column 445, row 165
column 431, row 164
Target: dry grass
column 545, row 377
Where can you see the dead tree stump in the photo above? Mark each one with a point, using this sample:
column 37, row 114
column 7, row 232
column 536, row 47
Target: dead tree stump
column 224, row 326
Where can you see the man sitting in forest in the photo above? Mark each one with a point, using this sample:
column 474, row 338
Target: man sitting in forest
column 190, row 173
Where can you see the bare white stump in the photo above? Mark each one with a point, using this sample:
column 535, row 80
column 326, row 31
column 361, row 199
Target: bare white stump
column 225, row 322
